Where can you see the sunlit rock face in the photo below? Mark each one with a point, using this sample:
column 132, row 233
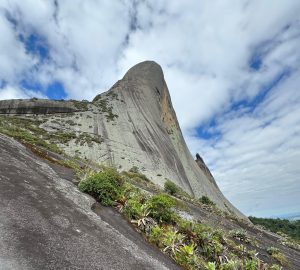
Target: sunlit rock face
column 36, row 106
column 132, row 124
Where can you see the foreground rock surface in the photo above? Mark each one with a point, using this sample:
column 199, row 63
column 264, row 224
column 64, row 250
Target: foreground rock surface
column 133, row 125
column 46, row 223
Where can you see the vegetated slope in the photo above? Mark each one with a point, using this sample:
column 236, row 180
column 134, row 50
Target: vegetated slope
column 133, row 127
column 46, row 223
column 290, row 228
column 40, row 207
column 133, row 124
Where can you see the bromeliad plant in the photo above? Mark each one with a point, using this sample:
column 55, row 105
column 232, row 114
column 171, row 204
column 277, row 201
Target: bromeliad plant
column 173, row 241
column 240, row 235
column 143, row 221
column 192, row 245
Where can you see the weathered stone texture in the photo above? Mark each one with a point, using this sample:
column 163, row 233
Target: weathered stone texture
column 138, row 126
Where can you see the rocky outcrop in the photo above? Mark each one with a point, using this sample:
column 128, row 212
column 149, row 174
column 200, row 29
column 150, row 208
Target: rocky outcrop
column 46, row 223
column 136, row 125
column 205, row 169
column 37, row 106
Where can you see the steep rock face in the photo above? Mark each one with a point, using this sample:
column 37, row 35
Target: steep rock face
column 36, row 106
column 46, row 223
column 205, row 169
column 137, row 126
column 147, row 126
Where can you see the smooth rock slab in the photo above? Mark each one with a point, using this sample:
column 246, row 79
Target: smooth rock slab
column 46, row 223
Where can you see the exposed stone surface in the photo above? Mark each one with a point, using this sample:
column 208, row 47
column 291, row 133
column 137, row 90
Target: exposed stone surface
column 46, row 223
column 137, row 125
column 205, row 169
column 36, row 106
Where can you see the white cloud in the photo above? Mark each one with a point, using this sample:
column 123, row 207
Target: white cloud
column 256, row 159
column 13, row 58
column 204, row 47
column 84, row 40
column 10, row 92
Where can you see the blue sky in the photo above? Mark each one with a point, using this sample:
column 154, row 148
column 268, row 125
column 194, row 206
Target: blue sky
column 232, row 68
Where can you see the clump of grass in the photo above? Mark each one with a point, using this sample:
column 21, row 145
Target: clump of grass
column 278, row 256
column 275, row 267
column 174, row 190
column 61, row 137
column 141, row 180
column 135, row 174
column 27, row 131
column 72, row 164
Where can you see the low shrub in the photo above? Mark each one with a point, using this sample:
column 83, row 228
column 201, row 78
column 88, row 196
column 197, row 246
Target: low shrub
column 161, row 207
column 105, row 186
column 171, row 187
column 206, row 200
column 136, row 176
column 273, row 250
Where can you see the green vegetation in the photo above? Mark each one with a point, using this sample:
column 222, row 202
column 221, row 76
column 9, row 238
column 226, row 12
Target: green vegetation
column 81, row 105
column 84, row 137
column 240, row 235
column 60, row 137
column 105, row 108
column 71, row 123
column 171, row 188
column 105, row 186
column 139, row 177
column 174, row 190
column 112, row 95
column 133, row 176
column 192, row 245
column 161, row 207
column 206, row 200
column 290, row 228
column 278, row 256
column 26, row 131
